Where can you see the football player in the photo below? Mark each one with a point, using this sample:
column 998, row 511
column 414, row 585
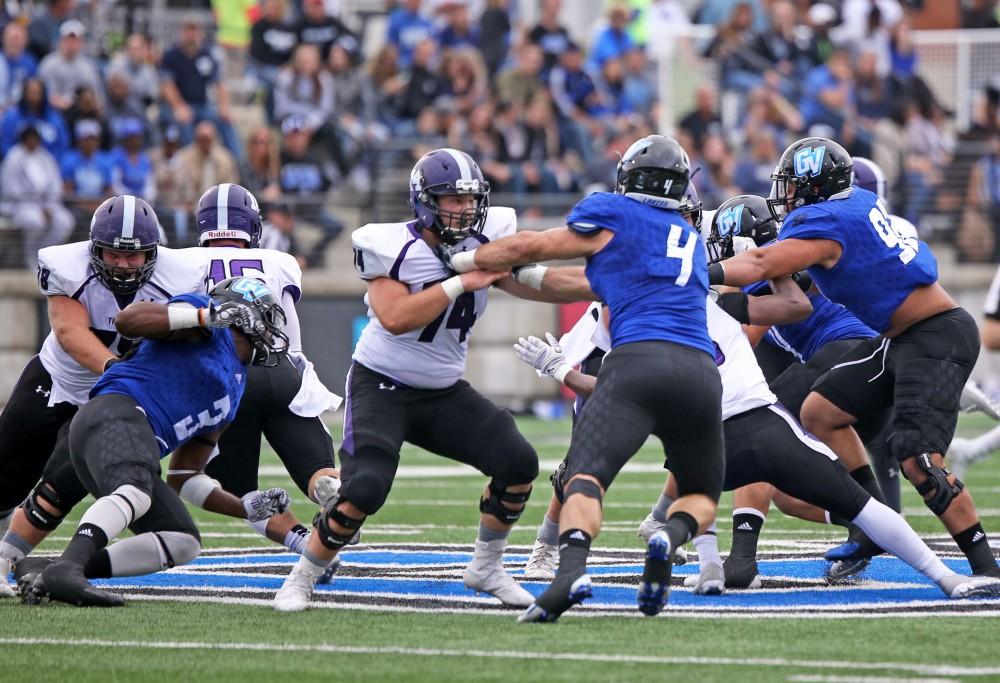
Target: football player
column 405, row 382
column 183, row 385
column 887, row 277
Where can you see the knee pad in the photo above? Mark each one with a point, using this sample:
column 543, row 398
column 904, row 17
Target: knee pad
column 494, row 505
column 331, row 538
column 177, row 547
column 131, row 500
column 38, row 516
column 367, row 491
column 585, row 487
column 558, row 479
column 942, row 491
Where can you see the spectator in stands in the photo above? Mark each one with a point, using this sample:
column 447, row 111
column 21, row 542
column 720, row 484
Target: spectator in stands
column 465, row 77
column 767, row 109
column 524, row 150
column 34, row 108
column 521, row 83
column 232, row 34
column 407, row 29
column 457, row 30
column 752, row 172
column 433, row 127
column 577, row 100
column 611, row 85
column 20, row 63
column 731, row 49
column 716, row 11
column 305, row 177
column 204, row 163
column 68, row 69
column 494, row 35
column 170, row 206
column 614, row 41
column 356, row 105
column 821, row 19
column 121, row 104
column 904, row 56
column 133, row 169
column 929, row 152
column 640, row 88
column 421, row 84
column 31, row 194
column 86, row 106
column 983, row 193
column 188, row 70
column 260, row 173
column 272, row 40
column 383, row 72
column 704, row 118
column 319, row 28
column 135, row 64
column 785, row 47
column 828, row 95
column 875, row 95
column 717, row 167
column 86, row 170
column 43, row 31
column 867, row 24
column 549, row 34
column 278, row 231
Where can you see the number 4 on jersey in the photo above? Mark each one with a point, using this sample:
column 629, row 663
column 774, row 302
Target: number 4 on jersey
column 461, row 318
column 684, row 253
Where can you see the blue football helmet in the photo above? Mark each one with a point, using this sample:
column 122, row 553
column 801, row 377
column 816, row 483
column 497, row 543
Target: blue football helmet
column 229, row 211
column 264, row 321
column 869, row 176
column 810, row 170
column 124, row 223
column 744, row 215
column 448, row 171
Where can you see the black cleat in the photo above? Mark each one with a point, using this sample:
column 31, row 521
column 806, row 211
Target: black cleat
column 558, row 598
column 65, row 582
column 850, row 559
column 741, row 572
column 27, row 569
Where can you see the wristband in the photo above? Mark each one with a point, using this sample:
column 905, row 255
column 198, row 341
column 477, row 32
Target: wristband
column 560, row 373
column 453, row 287
column 530, row 276
column 183, row 316
column 198, row 488
column 716, row 274
column 464, row 261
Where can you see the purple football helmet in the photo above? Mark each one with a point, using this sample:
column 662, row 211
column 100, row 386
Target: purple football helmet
column 124, row 223
column 691, row 204
column 448, row 171
column 869, row 176
column 228, row 212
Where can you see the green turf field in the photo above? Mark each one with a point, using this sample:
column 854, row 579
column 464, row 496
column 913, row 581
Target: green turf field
column 159, row 640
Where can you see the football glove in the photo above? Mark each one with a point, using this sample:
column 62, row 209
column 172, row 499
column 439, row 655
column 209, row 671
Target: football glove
column 261, row 505
column 547, row 359
column 229, row 314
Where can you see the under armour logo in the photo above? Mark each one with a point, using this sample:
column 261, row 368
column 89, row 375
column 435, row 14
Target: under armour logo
column 386, row 387
column 42, row 390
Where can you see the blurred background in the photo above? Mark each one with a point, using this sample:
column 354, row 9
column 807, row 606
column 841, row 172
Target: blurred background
column 320, row 107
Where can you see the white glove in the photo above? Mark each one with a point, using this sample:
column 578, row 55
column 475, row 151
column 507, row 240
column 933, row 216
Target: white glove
column 326, row 487
column 229, row 314
column 261, row 505
column 546, row 359
column 741, row 244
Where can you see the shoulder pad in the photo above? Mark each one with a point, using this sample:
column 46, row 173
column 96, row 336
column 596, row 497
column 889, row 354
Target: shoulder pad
column 501, row 221
column 379, row 249
column 597, row 211
column 179, row 271
column 63, row 269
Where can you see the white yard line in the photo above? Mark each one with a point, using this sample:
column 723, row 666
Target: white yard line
column 813, row 678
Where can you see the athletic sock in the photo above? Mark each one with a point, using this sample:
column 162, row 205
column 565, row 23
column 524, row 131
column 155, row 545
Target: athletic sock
column 681, row 528
column 14, row 547
column 548, row 531
column 99, row 566
column 574, row 547
column 866, row 479
column 707, row 547
column 661, row 506
column 747, row 523
column 296, row 538
column 976, row 547
column 311, row 565
column 88, row 540
column 891, row 532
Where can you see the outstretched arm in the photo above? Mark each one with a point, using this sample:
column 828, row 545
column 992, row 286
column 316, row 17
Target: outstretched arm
column 788, row 304
column 774, row 261
column 162, row 321
column 531, row 247
column 563, row 284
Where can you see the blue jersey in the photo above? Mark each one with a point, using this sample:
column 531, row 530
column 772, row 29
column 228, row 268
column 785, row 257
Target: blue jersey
column 652, row 274
column 185, row 389
column 881, row 263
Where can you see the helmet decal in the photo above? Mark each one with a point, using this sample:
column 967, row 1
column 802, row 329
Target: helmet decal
column 809, row 161
column 729, row 220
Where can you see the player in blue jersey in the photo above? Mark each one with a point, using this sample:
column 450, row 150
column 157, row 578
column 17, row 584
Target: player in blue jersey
column 177, row 393
column 888, row 278
column 648, row 265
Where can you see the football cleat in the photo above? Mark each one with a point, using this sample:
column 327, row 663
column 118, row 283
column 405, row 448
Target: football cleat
column 27, row 568
column 654, row 586
column 490, row 577
column 741, row 572
column 294, row 594
column 958, row 586
column 543, row 562
column 974, row 399
column 848, row 560
column 64, row 581
column 846, row 571
column 327, row 575
column 650, row 526
column 710, row 580
column 558, row 600
column 6, row 590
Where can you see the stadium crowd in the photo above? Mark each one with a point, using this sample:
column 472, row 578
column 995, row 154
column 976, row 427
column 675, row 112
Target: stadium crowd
column 116, row 113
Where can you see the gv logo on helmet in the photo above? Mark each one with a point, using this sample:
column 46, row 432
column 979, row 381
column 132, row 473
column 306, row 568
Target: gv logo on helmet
column 729, row 220
column 809, row 161
column 250, row 288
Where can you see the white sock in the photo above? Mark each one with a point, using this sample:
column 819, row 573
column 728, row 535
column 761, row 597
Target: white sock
column 14, row 547
column 109, row 514
column 147, row 553
column 311, row 565
column 984, row 444
column 548, row 531
column 707, row 547
column 295, row 540
column 892, row 533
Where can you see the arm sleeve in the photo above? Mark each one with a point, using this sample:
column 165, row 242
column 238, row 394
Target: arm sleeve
column 594, row 213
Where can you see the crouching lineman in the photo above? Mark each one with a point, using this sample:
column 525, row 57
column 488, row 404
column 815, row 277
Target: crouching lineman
column 405, row 382
column 183, row 385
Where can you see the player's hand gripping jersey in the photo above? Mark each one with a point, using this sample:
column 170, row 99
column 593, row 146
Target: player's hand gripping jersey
column 652, row 274
column 432, row 357
column 882, row 261
column 207, row 375
column 66, row 270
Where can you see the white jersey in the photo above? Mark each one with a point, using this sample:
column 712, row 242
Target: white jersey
column 281, row 273
column 432, row 357
column 743, row 385
column 65, row 270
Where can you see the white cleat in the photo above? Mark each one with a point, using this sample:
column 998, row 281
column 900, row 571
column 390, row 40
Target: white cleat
column 650, row 526
column 974, row 399
column 543, row 562
column 711, row 580
column 6, row 590
column 491, row 578
column 294, row 594
column 958, row 586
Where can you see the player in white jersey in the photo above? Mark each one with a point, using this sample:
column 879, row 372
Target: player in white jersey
column 405, row 383
column 284, row 399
